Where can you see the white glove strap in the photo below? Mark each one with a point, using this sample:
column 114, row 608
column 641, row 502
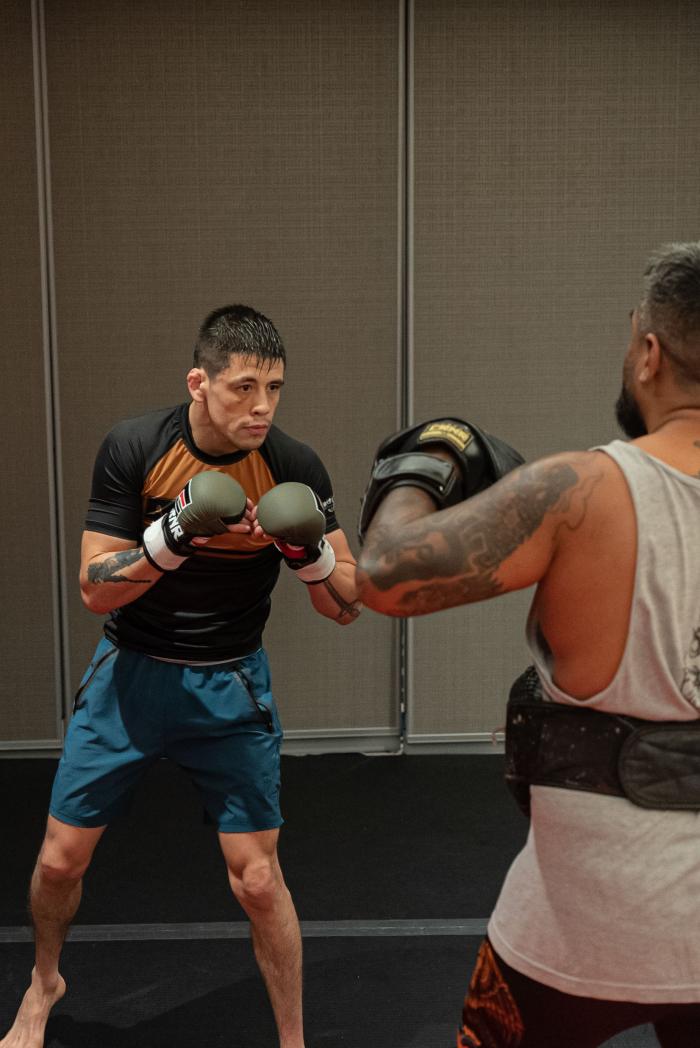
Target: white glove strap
column 156, row 550
column 321, row 568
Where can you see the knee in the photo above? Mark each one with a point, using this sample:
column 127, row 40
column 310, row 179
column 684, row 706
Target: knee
column 258, row 885
column 58, row 867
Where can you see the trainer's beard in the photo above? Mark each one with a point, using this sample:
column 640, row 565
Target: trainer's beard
column 629, row 417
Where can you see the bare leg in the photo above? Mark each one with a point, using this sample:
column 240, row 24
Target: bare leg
column 54, row 897
column 257, row 882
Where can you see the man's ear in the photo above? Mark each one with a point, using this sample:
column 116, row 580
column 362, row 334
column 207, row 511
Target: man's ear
column 196, row 383
column 651, row 358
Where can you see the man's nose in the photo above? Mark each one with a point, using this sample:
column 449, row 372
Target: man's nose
column 262, row 405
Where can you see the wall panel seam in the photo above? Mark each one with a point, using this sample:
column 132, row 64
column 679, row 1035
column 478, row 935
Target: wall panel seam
column 406, row 342
column 48, row 306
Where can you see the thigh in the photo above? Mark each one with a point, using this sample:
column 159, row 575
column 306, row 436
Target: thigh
column 680, row 1029
column 505, row 1009
column 112, row 737
column 226, row 734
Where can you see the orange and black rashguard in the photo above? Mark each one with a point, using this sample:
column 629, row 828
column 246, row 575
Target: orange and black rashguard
column 215, row 606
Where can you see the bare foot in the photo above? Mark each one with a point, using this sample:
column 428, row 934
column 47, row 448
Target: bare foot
column 28, row 1028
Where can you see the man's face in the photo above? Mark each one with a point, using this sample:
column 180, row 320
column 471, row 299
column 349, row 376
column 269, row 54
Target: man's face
column 241, row 402
column 627, row 411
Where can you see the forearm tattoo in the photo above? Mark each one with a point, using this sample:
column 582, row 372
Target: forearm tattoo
column 108, row 570
column 459, row 558
column 348, row 611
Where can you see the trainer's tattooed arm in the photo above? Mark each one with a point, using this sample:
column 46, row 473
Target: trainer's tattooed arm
column 416, row 560
column 113, row 572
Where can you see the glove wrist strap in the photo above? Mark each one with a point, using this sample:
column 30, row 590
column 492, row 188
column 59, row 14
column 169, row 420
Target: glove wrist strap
column 321, row 568
column 157, row 551
column 315, row 571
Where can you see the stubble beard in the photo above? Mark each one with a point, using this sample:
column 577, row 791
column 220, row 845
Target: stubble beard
column 629, row 417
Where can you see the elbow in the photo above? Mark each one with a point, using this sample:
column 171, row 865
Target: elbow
column 367, row 574
column 377, row 601
column 373, row 590
column 93, row 600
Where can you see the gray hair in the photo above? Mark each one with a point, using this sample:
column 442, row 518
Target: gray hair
column 670, row 308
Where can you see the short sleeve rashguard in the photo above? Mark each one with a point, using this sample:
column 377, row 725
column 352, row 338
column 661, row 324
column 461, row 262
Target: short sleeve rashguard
column 215, row 606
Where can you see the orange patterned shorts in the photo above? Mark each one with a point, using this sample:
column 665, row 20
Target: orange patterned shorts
column 490, row 1016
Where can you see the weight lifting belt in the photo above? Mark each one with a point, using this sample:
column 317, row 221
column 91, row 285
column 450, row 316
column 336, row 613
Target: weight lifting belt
column 655, row 764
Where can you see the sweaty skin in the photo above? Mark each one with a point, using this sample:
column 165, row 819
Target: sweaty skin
column 230, row 411
column 543, row 523
column 565, row 523
column 460, row 564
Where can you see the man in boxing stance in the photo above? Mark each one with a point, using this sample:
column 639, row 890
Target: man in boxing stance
column 192, row 511
column 596, row 927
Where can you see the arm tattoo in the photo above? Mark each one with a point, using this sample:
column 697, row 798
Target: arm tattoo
column 348, row 611
column 108, row 570
column 459, row 559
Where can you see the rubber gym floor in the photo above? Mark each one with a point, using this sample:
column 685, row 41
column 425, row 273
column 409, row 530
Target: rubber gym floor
column 394, row 864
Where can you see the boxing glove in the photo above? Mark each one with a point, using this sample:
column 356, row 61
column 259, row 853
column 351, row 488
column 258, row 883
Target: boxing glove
column 291, row 514
column 403, row 459
column 207, row 504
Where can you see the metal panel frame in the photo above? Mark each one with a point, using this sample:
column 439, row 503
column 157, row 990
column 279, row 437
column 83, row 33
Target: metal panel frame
column 48, row 321
column 412, row 741
column 404, row 363
column 53, row 430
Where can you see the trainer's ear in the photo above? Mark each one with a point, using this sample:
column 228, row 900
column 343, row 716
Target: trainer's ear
column 651, row 358
column 196, row 379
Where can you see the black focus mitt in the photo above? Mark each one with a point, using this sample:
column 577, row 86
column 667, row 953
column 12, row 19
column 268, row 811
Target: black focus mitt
column 402, row 460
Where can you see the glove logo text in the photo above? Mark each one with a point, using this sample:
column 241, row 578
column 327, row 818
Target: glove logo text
column 449, row 431
column 176, row 528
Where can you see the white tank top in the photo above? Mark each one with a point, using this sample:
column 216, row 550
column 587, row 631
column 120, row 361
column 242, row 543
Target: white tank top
column 604, row 899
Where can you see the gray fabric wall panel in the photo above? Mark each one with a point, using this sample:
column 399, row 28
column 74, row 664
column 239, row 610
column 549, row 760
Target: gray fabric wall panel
column 28, row 710
column 209, row 152
column 463, row 663
column 206, row 151
column 556, row 144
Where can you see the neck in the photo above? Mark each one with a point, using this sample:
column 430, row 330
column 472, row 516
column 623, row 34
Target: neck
column 205, row 437
column 676, row 440
column 677, row 421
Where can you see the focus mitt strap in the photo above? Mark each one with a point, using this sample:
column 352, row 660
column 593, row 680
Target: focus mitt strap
column 402, row 460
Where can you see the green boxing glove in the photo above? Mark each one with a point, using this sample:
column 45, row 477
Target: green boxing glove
column 292, row 515
column 206, row 506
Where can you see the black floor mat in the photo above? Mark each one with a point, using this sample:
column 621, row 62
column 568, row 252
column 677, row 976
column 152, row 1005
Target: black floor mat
column 365, row 837
column 373, row 838
column 360, row 993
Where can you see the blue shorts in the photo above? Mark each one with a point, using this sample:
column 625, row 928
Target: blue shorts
column 219, row 723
